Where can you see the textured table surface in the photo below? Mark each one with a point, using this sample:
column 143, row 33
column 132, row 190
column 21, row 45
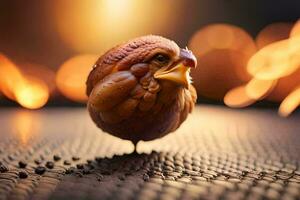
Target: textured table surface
column 217, row 153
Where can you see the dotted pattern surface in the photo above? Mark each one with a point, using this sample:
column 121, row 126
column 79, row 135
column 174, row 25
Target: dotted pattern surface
column 217, row 153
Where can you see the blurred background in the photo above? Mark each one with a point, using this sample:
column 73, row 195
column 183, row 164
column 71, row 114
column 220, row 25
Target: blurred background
column 248, row 51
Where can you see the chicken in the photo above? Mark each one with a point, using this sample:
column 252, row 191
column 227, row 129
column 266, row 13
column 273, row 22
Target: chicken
column 141, row 90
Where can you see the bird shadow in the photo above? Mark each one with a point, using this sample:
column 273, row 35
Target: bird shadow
column 135, row 165
column 130, row 172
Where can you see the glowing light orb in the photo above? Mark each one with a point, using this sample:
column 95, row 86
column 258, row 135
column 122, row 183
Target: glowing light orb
column 295, row 32
column 94, row 26
column 273, row 33
column 33, row 94
column 238, row 98
column 218, row 71
column 290, row 103
column 222, row 51
column 41, row 72
column 221, row 36
column 275, row 68
column 10, row 75
column 276, row 60
column 29, row 92
column 284, row 87
column 72, row 75
column 258, row 89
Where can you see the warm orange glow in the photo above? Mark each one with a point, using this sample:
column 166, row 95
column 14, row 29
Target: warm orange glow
column 42, row 72
column 284, row 87
column 248, row 94
column 276, row 60
column 238, row 98
column 32, row 94
column 258, row 89
column 290, row 103
column 29, row 92
column 276, row 70
column 273, row 33
column 72, row 76
column 95, row 26
column 26, row 125
column 218, row 71
column 222, row 51
column 222, row 36
column 296, row 30
column 10, row 77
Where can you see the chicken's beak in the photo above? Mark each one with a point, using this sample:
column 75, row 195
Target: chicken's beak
column 180, row 72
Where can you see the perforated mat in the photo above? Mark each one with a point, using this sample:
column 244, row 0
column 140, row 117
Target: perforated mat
column 217, row 154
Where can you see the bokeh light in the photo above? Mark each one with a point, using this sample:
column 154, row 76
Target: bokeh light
column 273, row 33
column 218, row 71
column 222, row 51
column 295, row 32
column 30, row 92
column 72, row 75
column 232, row 65
column 94, row 26
column 221, row 36
column 10, row 75
column 258, row 89
column 276, row 60
column 238, row 98
column 284, row 87
column 290, row 103
column 249, row 93
column 275, row 69
column 42, row 72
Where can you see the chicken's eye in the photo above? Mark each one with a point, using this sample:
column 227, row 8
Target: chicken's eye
column 162, row 59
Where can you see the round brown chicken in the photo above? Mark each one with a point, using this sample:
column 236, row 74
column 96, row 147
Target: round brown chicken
column 141, row 90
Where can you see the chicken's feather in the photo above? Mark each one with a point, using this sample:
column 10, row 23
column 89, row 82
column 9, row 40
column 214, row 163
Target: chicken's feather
column 129, row 102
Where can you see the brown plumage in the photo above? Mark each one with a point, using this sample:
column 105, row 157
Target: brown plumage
column 141, row 90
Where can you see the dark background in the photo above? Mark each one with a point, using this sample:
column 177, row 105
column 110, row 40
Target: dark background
column 27, row 33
